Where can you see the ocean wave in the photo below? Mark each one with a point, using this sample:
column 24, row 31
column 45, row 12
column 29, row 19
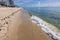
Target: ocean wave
column 45, row 28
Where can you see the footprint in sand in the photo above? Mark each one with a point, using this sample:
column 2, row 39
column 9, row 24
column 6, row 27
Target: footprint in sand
column 3, row 27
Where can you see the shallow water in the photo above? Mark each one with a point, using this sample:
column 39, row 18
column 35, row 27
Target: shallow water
column 49, row 14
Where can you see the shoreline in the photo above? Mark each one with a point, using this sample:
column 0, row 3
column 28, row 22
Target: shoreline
column 15, row 24
column 50, row 29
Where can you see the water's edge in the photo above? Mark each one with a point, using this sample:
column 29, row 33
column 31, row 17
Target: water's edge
column 46, row 27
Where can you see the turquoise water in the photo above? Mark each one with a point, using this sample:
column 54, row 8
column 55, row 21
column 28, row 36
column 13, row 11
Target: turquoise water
column 49, row 14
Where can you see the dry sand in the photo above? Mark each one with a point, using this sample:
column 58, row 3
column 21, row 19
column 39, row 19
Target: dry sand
column 15, row 24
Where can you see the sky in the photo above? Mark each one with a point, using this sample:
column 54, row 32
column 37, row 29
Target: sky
column 49, row 3
column 27, row 3
column 38, row 3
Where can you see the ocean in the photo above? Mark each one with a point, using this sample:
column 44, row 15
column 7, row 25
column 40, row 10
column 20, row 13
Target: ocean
column 48, row 14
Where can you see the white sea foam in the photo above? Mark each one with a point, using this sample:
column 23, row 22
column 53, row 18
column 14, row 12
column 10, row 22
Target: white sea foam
column 44, row 27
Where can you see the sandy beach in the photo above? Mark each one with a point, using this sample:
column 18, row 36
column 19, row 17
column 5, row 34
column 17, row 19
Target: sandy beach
column 15, row 24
